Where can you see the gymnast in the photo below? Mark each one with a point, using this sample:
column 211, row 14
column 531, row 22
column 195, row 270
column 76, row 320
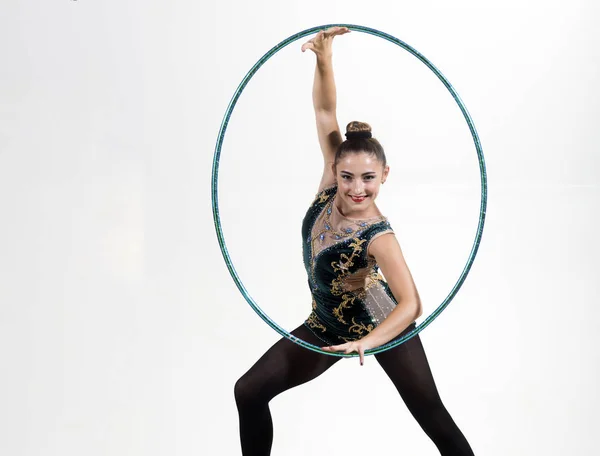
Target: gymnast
column 347, row 245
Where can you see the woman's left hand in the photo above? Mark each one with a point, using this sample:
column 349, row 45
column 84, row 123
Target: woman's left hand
column 357, row 346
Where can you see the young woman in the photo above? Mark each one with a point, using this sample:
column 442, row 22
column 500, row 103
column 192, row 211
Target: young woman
column 346, row 241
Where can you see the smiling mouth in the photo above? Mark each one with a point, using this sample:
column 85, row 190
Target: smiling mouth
column 358, row 198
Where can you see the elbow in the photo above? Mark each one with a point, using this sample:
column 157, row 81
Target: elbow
column 325, row 112
column 418, row 309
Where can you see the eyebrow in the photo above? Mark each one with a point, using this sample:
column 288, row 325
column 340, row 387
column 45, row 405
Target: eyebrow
column 364, row 174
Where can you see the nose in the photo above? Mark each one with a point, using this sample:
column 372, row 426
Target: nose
column 358, row 189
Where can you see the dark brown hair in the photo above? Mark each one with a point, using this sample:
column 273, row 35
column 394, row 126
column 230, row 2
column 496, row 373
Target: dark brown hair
column 357, row 145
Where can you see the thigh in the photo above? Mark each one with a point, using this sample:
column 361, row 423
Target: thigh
column 408, row 368
column 285, row 365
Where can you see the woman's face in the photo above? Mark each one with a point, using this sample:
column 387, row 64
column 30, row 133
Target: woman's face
column 359, row 176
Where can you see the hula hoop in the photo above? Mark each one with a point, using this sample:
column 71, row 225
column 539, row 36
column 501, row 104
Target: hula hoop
column 215, row 199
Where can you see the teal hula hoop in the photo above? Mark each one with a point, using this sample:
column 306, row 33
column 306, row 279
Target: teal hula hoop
column 215, row 199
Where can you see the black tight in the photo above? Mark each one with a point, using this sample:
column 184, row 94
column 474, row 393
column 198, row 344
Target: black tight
column 287, row 364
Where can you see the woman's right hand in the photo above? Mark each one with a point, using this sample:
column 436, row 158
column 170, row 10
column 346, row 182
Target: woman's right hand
column 321, row 43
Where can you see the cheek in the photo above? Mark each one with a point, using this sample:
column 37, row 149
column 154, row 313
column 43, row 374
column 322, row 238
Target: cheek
column 373, row 187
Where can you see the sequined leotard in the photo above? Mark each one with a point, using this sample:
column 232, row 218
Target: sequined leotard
column 350, row 297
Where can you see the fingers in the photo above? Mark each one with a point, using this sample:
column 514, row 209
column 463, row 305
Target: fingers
column 322, row 35
column 347, row 348
column 331, row 31
column 308, row 45
column 335, row 348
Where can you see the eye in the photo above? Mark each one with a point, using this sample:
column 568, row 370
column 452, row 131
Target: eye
column 370, row 177
column 345, row 176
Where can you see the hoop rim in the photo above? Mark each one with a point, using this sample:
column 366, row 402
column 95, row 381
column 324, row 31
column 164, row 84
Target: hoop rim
column 215, row 200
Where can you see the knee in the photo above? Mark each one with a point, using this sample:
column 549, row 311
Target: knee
column 434, row 417
column 244, row 391
column 432, row 406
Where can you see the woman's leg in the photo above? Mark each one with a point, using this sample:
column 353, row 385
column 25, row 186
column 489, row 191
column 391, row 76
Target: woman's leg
column 406, row 365
column 285, row 365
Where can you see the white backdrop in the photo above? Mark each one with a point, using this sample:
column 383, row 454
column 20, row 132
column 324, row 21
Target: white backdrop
column 122, row 331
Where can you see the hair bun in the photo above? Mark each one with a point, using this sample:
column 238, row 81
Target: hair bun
column 358, row 130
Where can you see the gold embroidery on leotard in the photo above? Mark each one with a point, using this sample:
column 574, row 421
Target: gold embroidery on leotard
column 360, row 328
column 343, row 267
column 321, row 196
column 314, row 323
column 347, row 301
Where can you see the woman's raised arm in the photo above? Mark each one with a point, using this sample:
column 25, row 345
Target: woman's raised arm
column 324, row 99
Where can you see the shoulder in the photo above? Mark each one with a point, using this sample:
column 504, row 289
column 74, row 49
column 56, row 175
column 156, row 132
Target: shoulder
column 325, row 194
column 381, row 238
